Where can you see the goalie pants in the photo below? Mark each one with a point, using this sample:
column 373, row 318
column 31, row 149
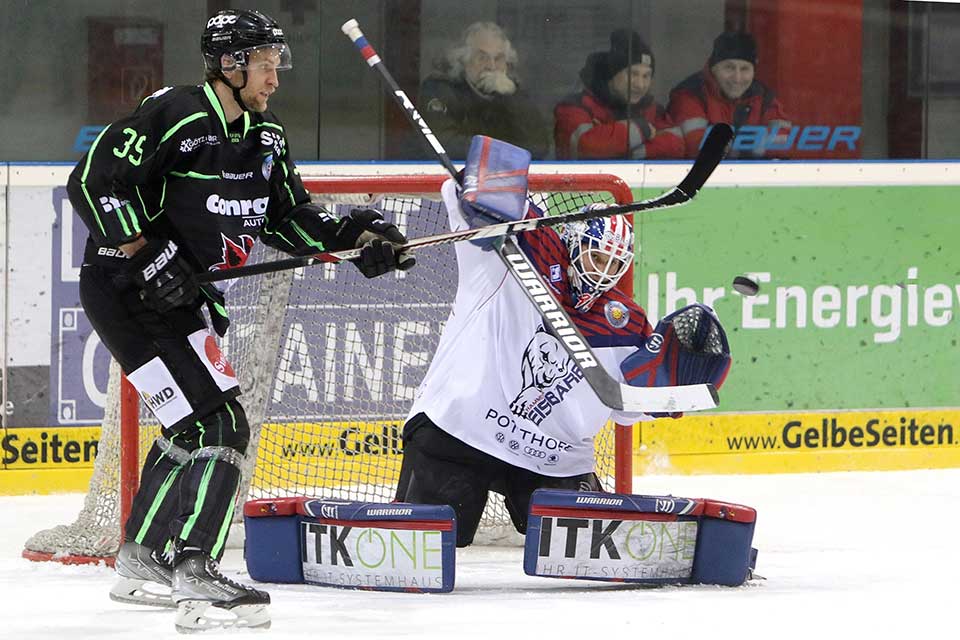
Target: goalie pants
column 440, row 469
column 192, row 472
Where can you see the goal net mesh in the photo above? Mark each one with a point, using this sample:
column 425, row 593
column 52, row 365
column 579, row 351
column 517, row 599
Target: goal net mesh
column 329, row 363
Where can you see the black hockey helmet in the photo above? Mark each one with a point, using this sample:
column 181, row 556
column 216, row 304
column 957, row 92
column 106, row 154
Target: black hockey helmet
column 238, row 32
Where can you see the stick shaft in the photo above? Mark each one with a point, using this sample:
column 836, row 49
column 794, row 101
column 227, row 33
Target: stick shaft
column 352, row 30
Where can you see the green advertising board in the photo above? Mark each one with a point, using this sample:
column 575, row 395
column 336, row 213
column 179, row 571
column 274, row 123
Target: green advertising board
column 859, row 291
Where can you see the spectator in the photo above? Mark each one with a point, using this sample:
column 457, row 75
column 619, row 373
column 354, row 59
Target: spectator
column 616, row 116
column 726, row 91
column 479, row 94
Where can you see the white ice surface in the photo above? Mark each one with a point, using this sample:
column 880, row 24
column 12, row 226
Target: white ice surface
column 845, row 555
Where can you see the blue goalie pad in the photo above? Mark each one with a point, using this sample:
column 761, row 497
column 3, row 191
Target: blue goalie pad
column 354, row 545
column 494, row 182
column 634, row 538
column 689, row 346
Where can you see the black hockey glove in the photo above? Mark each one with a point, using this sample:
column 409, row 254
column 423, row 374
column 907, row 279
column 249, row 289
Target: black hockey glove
column 165, row 278
column 365, row 229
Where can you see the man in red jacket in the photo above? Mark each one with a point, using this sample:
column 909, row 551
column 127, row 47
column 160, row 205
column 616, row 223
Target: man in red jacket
column 725, row 91
column 616, row 115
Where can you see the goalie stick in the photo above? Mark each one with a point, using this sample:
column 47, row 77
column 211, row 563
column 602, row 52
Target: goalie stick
column 614, row 394
column 711, row 153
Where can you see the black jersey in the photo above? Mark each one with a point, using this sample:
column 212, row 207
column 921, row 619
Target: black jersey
column 176, row 169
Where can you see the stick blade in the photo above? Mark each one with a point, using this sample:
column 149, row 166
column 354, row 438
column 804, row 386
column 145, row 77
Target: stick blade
column 692, row 397
column 712, row 151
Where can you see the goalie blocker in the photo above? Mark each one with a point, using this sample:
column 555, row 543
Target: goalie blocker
column 633, row 538
column 354, row 545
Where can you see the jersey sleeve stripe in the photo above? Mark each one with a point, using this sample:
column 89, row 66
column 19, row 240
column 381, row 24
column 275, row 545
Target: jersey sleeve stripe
column 286, row 183
column 133, row 218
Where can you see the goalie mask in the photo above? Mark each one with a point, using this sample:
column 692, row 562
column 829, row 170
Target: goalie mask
column 601, row 252
column 232, row 35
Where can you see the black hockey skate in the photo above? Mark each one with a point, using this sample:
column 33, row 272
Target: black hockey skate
column 144, row 576
column 208, row 600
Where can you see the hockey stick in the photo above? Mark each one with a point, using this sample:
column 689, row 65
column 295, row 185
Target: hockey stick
column 351, row 29
column 613, row 394
column 610, row 392
column 711, row 153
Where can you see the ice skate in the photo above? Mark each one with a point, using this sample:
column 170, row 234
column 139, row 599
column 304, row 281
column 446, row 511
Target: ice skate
column 144, row 576
column 208, row 600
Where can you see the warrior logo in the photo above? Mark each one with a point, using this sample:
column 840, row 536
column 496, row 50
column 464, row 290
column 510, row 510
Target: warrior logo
column 234, row 255
column 548, row 373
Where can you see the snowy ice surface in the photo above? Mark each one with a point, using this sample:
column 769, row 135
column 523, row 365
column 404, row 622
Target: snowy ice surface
column 845, row 555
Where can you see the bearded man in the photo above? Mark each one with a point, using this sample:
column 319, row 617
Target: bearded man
column 478, row 92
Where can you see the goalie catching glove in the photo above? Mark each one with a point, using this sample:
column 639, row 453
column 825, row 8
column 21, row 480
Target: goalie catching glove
column 365, row 229
column 689, row 346
column 165, row 278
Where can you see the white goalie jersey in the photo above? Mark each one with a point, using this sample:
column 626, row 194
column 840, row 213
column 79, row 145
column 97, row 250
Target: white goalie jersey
column 500, row 382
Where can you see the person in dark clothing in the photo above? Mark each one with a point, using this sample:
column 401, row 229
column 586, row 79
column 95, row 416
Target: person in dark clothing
column 184, row 185
column 725, row 90
column 479, row 94
column 616, row 115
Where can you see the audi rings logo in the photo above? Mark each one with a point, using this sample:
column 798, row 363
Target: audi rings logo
column 654, row 342
column 534, row 453
column 221, row 20
column 514, row 445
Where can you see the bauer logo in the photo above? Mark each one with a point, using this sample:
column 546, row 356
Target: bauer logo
column 757, row 139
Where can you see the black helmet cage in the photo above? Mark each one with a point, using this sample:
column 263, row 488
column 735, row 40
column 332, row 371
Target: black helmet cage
column 235, row 33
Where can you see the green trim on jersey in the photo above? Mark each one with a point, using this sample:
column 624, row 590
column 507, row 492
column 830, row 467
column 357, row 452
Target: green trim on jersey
column 83, row 180
column 316, row 244
column 215, row 103
column 172, row 130
column 193, row 174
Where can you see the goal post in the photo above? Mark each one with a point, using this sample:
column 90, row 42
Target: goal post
column 328, row 362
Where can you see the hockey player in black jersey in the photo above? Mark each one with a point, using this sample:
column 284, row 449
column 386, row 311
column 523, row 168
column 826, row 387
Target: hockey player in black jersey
column 184, row 185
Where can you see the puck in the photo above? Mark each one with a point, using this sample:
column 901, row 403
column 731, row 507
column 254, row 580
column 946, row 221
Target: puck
column 745, row 286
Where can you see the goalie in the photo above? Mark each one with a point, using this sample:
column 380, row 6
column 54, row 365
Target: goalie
column 503, row 407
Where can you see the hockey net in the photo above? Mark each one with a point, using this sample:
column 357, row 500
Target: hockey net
column 329, row 363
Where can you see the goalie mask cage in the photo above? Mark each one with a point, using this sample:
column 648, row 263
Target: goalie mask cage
column 329, row 363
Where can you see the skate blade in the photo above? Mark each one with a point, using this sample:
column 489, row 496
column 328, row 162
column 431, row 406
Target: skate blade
column 140, row 592
column 196, row 616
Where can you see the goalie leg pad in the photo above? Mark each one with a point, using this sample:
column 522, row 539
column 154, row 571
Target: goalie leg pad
column 354, row 545
column 636, row 538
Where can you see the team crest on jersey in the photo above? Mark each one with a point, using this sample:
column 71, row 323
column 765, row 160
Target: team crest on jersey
column 548, row 373
column 617, row 314
column 267, row 167
column 235, row 254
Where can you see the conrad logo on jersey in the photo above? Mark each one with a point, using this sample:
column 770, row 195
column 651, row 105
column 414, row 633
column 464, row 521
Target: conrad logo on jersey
column 548, row 374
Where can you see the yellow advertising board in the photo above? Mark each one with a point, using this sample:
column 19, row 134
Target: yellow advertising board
column 799, row 442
